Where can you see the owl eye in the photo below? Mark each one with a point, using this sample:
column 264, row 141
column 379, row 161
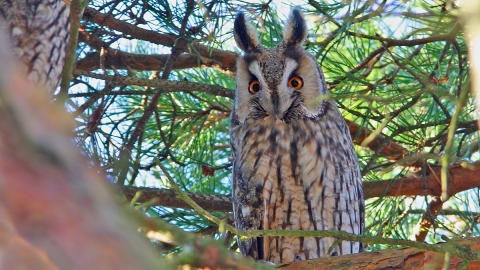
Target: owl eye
column 295, row 83
column 254, row 87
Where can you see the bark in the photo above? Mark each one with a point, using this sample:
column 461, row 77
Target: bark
column 461, row 179
column 404, row 258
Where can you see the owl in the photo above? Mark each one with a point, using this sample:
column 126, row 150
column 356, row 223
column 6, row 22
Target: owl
column 294, row 165
column 39, row 31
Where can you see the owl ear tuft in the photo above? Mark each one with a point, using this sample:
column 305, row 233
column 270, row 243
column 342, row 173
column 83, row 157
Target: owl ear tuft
column 245, row 36
column 295, row 30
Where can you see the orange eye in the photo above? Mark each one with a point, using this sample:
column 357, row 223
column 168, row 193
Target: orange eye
column 295, row 83
column 254, row 87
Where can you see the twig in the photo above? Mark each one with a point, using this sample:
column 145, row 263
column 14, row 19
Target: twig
column 125, row 154
column 182, row 195
column 445, row 161
column 76, row 9
column 163, row 85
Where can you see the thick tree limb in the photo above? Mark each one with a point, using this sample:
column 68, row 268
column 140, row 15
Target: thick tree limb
column 461, row 179
column 405, row 258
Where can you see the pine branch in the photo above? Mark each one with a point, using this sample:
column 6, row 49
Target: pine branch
column 225, row 58
column 448, row 153
column 164, row 85
column 393, row 150
column 462, row 177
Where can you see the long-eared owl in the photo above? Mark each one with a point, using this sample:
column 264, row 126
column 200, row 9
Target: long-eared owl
column 294, row 165
column 39, row 31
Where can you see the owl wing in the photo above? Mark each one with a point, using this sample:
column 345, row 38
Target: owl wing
column 247, row 198
column 334, row 189
column 247, row 210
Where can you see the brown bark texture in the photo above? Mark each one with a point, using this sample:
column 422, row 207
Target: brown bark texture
column 403, row 258
column 461, row 178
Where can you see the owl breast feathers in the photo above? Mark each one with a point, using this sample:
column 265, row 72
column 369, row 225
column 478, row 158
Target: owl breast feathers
column 294, row 166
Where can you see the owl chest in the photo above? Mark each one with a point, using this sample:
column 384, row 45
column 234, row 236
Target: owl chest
column 301, row 176
column 281, row 167
column 281, row 155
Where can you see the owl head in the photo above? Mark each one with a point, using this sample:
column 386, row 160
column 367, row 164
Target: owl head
column 283, row 83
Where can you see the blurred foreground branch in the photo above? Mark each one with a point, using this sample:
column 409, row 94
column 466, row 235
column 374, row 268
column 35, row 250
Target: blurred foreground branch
column 56, row 212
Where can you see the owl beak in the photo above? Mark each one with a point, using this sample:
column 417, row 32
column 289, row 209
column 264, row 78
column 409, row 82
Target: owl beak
column 275, row 102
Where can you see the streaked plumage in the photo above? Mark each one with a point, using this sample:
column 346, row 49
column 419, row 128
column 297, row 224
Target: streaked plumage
column 294, row 167
column 39, row 30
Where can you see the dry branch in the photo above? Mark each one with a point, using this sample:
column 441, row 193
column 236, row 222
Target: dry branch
column 113, row 58
column 225, row 59
column 165, row 85
column 168, row 198
column 122, row 60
